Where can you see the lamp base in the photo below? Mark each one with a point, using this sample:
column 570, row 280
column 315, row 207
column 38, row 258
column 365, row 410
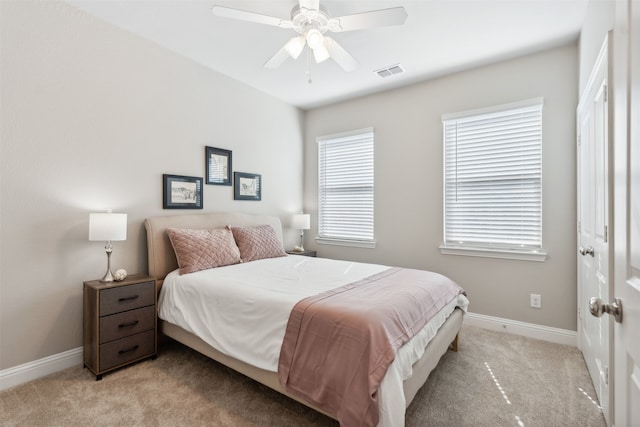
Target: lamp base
column 108, row 276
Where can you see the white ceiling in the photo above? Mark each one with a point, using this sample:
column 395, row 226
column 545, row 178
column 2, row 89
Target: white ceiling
column 438, row 37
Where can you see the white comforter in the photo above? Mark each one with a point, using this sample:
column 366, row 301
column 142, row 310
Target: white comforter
column 242, row 310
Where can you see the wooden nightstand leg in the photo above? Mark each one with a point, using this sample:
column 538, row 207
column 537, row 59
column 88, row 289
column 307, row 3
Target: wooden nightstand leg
column 98, row 377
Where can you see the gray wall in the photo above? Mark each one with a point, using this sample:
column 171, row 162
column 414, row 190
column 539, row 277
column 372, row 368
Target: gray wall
column 91, row 118
column 408, row 168
column 598, row 20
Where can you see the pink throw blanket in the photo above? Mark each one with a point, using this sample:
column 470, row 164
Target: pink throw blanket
column 339, row 344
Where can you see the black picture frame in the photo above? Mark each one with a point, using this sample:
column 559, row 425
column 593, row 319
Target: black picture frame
column 218, row 163
column 247, row 186
column 181, row 192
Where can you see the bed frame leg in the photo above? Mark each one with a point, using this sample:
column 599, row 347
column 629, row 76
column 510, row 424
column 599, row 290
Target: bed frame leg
column 454, row 343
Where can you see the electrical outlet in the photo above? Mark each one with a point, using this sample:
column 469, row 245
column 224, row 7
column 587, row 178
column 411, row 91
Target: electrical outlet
column 535, row 301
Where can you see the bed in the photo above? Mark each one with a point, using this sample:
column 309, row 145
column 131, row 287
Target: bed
column 406, row 374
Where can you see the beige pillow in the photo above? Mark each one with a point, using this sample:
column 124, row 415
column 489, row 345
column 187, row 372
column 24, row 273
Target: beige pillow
column 201, row 249
column 257, row 242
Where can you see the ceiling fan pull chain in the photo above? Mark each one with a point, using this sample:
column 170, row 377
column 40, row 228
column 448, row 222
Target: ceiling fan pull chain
column 308, row 73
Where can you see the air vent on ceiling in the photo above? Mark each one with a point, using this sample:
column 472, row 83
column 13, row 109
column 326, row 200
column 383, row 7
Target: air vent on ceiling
column 389, row 71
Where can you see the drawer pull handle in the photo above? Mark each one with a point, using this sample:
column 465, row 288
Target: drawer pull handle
column 125, row 325
column 128, row 350
column 129, row 298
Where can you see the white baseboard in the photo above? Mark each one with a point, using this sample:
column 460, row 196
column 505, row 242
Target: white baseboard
column 531, row 330
column 39, row 368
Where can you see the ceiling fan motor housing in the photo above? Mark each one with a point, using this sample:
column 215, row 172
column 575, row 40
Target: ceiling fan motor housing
column 307, row 19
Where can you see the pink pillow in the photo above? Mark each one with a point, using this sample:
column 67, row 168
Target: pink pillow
column 257, row 242
column 201, row 249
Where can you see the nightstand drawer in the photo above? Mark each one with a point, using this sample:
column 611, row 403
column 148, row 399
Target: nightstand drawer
column 128, row 297
column 127, row 349
column 122, row 325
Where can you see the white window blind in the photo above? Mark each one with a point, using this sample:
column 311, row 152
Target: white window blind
column 345, row 193
column 493, row 178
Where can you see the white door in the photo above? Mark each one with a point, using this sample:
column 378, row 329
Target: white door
column 627, row 212
column 593, row 226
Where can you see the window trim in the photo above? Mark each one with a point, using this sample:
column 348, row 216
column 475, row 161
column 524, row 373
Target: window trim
column 346, row 242
column 336, row 241
column 487, row 250
column 525, row 255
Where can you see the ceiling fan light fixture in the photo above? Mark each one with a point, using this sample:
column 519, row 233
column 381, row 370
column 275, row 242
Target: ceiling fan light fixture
column 315, row 39
column 311, row 21
column 295, row 46
column 321, row 54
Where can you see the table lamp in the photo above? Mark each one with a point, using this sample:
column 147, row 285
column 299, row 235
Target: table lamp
column 107, row 227
column 302, row 222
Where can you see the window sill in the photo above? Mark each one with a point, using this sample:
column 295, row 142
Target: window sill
column 370, row 244
column 538, row 256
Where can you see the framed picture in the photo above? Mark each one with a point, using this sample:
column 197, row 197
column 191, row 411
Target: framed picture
column 218, row 164
column 247, row 186
column 181, row 192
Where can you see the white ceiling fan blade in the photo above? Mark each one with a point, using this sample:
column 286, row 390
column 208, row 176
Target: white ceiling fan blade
column 227, row 12
column 341, row 56
column 278, row 58
column 374, row 18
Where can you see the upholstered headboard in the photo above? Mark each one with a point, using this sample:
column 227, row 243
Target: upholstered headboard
column 161, row 257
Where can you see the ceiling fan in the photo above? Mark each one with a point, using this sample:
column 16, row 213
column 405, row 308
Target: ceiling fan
column 311, row 22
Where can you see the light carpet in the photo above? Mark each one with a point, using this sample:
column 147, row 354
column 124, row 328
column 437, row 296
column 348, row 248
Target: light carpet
column 495, row 379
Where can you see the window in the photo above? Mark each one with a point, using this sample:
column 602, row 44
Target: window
column 345, row 188
column 493, row 182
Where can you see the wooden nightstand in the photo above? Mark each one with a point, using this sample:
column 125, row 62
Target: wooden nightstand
column 119, row 323
column 303, row 253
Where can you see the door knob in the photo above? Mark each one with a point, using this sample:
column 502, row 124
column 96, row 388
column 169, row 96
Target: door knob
column 597, row 308
column 586, row 251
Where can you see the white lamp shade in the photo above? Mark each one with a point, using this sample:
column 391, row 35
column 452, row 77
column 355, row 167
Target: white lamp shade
column 107, row 226
column 321, row 54
column 301, row 221
column 315, row 39
column 294, row 46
